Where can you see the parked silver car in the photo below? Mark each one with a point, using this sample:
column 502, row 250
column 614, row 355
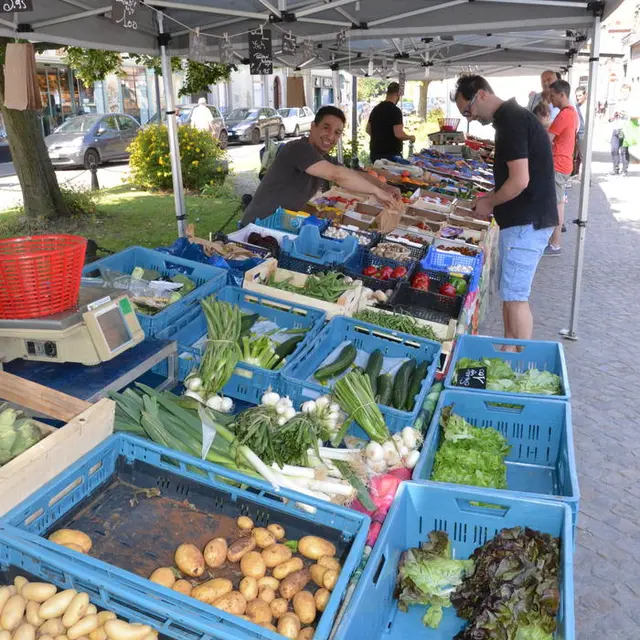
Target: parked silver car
column 296, row 120
column 92, row 139
column 251, row 125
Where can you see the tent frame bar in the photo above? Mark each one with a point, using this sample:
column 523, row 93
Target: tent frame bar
column 417, row 12
column 328, row 6
column 71, row 17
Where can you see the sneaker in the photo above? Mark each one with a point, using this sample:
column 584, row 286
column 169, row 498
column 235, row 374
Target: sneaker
column 625, row 174
column 615, row 173
column 552, row 251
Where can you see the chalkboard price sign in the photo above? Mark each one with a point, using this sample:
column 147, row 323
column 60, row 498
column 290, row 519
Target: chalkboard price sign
column 15, row 6
column 260, row 53
column 289, row 43
column 125, row 13
column 472, row 377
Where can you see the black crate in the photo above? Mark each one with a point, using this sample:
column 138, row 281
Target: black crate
column 426, row 305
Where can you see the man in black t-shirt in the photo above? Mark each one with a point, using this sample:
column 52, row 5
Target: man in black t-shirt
column 524, row 200
column 385, row 127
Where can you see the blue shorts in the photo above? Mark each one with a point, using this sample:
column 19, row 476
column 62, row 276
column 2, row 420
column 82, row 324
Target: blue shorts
column 520, row 251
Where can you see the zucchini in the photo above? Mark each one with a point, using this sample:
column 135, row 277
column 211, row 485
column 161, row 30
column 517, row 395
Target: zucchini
column 415, row 384
column 287, row 347
column 401, row 384
column 373, row 368
column 246, row 323
column 385, row 388
column 344, row 360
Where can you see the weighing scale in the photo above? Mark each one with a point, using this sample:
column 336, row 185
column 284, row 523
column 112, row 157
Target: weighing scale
column 102, row 326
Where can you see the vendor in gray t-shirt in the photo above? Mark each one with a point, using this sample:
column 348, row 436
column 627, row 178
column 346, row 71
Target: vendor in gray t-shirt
column 302, row 165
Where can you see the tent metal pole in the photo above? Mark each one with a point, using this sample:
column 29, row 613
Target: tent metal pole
column 354, row 121
column 172, row 127
column 337, row 101
column 583, row 209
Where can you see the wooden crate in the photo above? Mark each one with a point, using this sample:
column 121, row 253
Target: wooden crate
column 254, row 280
column 23, row 475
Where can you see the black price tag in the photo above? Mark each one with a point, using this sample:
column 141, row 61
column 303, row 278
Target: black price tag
column 125, row 13
column 260, row 53
column 15, row 6
column 472, row 377
column 289, row 43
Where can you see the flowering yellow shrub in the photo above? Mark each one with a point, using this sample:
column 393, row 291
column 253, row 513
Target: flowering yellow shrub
column 202, row 159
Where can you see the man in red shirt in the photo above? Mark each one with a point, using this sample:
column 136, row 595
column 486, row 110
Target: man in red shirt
column 563, row 131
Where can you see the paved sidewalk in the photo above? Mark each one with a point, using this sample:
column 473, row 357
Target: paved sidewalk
column 604, row 371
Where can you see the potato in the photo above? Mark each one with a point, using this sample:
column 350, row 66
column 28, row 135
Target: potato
column 259, row 611
column 294, row 583
column 244, row 523
column 24, row 632
column 77, row 609
column 189, row 560
column 317, row 573
column 269, row 581
column 314, row 548
column 329, row 579
column 121, row 630
column 211, row 590
column 283, row 570
column 330, row 563
column 82, row 627
column 98, row 634
column 253, row 565
column 55, row 606
column 305, row 606
column 263, row 537
column 276, row 530
column 74, row 547
column 71, row 536
column 249, row 588
column 6, row 635
column 5, row 594
column 233, row 602
column 321, row 598
column 279, row 607
column 92, row 610
column 105, row 616
column 183, row 586
column 306, row 633
column 164, row 576
column 215, row 553
column 32, row 614
column 239, row 548
column 12, row 612
column 268, row 625
column 20, row 582
column 289, row 626
column 267, row 594
column 52, row 627
column 276, row 554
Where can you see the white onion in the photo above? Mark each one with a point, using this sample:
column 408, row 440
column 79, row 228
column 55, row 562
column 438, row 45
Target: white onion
column 404, row 451
column 308, row 407
column 389, row 447
column 195, row 395
column 374, row 452
column 393, row 459
column 322, row 401
column 282, row 421
column 397, row 438
column 270, row 399
column 411, row 460
column 379, row 466
column 227, row 405
column 214, row 402
column 194, row 383
column 409, row 438
column 289, row 413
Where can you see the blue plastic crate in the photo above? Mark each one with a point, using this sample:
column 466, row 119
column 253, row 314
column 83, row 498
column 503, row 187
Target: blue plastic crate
column 285, row 221
column 366, row 338
column 208, row 280
column 248, row 381
column 419, row 509
column 310, row 246
column 436, row 259
column 541, row 463
column 107, row 490
column 534, row 354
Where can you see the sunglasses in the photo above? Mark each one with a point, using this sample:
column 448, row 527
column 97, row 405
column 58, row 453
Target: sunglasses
column 467, row 112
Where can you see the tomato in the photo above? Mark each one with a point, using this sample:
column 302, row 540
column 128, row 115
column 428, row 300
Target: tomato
column 386, row 273
column 447, row 289
column 399, row 272
column 370, row 271
column 420, row 281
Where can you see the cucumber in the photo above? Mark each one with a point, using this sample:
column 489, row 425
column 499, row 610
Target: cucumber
column 415, row 384
column 287, row 347
column 385, row 388
column 344, row 360
column 246, row 322
column 373, row 368
column 401, row 384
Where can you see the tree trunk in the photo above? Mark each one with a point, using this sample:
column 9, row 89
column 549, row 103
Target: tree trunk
column 422, row 104
column 40, row 189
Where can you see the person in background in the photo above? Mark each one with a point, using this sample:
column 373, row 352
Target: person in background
column 523, row 202
column 547, row 78
column 300, row 168
column 385, row 127
column 563, row 133
column 581, row 104
column 201, row 117
column 543, row 113
column 620, row 151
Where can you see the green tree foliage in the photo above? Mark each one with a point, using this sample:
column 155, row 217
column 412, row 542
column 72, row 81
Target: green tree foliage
column 93, row 65
column 369, row 88
column 153, row 62
column 200, row 75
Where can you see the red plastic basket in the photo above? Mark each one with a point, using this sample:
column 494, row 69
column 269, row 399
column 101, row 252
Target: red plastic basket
column 40, row 275
column 448, row 124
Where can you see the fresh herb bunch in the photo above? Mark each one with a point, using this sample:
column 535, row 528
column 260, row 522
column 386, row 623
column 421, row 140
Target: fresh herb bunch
column 323, row 286
column 254, row 428
column 295, row 438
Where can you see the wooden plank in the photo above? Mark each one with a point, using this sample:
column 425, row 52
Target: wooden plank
column 23, row 475
column 40, row 398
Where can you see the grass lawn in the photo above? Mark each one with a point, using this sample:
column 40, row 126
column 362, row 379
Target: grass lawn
column 127, row 216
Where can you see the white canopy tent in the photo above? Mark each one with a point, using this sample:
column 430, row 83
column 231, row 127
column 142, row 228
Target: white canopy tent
column 442, row 36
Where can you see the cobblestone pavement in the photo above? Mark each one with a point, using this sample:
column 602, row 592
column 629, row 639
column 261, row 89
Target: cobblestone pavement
column 604, row 371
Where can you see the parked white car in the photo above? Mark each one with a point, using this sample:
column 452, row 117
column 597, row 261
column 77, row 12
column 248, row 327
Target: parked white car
column 296, row 120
